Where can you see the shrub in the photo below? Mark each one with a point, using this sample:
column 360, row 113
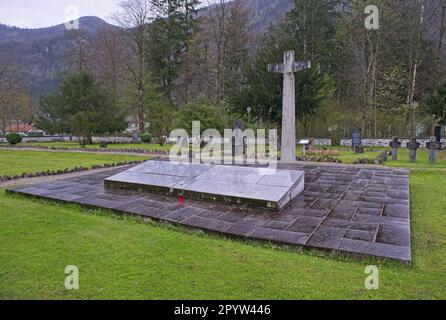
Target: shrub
column 146, row 138
column 13, row 138
column 203, row 110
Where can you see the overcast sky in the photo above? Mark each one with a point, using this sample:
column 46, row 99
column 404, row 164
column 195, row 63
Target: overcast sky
column 45, row 13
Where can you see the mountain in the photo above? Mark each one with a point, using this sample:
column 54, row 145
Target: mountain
column 44, row 54
column 266, row 12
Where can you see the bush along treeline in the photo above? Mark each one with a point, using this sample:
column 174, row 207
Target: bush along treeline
column 13, row 138
column 190, row 64
column 382, row 158
column 65, row 171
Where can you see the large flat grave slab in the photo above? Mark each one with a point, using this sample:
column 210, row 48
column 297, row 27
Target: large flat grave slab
column 344, row 209
column 251, row 186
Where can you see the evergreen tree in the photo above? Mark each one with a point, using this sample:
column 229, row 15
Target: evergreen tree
column 301, row 31
column 53, row 116
column 160, row 111
column 436, row 106
column 168, row 40
column 201, row 109
column 83, row 108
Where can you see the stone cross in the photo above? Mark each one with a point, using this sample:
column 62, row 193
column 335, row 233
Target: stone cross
column 395, row 145
column 288, row 68
column 433, row 146
column 413, row 146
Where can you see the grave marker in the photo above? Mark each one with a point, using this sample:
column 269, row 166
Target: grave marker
column 413, row 146
column 395, row 145
column 433, row 146
column 357, row 140
column 437, row 134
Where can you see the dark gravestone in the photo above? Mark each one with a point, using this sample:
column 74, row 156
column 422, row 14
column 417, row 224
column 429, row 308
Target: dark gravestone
column 395, row 145
column 437, row 133
column 433, row 146
column 104, row 144
column 357, row 141
column 413, row 146
column 135, row 137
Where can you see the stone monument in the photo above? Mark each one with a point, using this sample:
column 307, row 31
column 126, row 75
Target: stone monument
column 288, row 68
column 357, row 141
column 413, row 146
column 395, row 145
column 433, row 146
column 437, row 131
column 242, row 186
column 135, row 137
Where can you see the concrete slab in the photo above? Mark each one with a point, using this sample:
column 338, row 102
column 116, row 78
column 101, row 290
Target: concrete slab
column 242, row 185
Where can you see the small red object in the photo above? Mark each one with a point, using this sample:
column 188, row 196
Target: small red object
column 180, row 199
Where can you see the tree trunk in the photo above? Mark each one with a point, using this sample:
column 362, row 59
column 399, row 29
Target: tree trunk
column 89, row 138
column 441, row 34
column 141, row 93
column 417, row 57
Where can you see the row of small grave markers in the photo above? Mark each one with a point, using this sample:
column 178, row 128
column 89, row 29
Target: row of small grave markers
column 433, row 145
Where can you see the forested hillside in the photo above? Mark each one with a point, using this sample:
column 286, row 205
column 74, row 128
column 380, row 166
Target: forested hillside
column 44, row 54
column 47, row 52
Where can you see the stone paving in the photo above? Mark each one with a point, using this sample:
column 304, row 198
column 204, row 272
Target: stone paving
column 361, row 211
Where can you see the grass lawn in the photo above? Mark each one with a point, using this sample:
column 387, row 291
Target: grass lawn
column 422, row 160
column 158, row 147
column 123, row 258
column 18, row 162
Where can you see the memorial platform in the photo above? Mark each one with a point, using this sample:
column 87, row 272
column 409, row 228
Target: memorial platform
column 357, row 210
column 259, row 187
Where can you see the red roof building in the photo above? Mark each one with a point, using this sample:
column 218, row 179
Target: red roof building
column 18, row 127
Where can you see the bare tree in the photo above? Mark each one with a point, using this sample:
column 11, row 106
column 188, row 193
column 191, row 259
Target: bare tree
column 15, row 103
column 418, row 56
column 224, row 29
column 219, row 37
column 134, row 18
column 109, row 60
column 78, row 55
column 442, row 31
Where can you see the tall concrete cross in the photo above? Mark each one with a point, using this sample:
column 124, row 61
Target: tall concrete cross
column 288, row 68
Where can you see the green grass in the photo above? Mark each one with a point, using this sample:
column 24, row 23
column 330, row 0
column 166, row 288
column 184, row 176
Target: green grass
column 17, row 162
column 123, row 258
column 76, row 145
column 422, row 160
column 348, row 157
